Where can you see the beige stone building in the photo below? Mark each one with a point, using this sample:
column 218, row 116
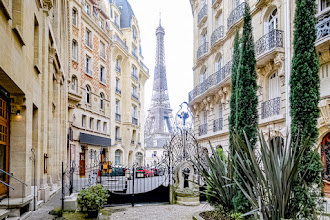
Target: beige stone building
column 215, row 23
column 33, row 98
column 107, row 78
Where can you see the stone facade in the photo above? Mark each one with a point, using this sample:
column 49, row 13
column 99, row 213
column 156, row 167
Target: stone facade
column 215, row 22
column 33, row 76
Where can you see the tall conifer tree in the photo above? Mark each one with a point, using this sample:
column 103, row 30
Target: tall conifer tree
column 304, row 98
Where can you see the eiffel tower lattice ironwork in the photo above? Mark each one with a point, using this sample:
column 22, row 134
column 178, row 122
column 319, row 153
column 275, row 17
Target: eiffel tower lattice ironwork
column 159, row 122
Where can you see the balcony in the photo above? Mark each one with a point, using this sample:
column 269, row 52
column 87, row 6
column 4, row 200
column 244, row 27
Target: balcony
column 120, row 42
column 134, row 76
column 118, row 91
column 118, row 117
column 202, row 129
column 216, row 35
column 217, row 124
column 323, row 25
column 267, row 44
column 271, row 107
column 135, row 97
column 118, row 69
column 202, row 14
column 235, row 15
column 118, row 139
column 134, row 121
column 202, row 50
column 144, row 67
column 212, row 81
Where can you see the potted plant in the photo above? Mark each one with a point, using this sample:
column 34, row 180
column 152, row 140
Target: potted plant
column 92, row 200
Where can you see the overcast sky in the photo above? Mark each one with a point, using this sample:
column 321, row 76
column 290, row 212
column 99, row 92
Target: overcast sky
column 177, row 21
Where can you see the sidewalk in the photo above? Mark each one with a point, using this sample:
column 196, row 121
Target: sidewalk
column 43, row 212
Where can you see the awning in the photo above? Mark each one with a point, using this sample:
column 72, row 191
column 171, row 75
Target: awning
column 94, row 140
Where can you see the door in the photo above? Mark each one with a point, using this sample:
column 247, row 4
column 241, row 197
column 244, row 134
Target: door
column 325, row 154
column 82, row 165
column 271, row 28
column 4, row 141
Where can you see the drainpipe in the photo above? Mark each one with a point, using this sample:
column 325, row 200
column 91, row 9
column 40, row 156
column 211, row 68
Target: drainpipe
column 287, row 37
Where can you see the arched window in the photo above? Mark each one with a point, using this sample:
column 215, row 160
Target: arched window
column 139, row 158
column 88, row 94
column 118, row 155
column 74, row 83
column 217, row 64
column 274, row 86
column 74, row 17
column 74, row 50
column 134, row 32
column 272, row 21
column 101, row 100
column 203, row 76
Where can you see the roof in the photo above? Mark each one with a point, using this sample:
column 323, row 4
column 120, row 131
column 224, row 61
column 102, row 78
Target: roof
column 126, row 12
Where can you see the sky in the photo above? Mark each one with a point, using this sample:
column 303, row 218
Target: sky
column 176, row 18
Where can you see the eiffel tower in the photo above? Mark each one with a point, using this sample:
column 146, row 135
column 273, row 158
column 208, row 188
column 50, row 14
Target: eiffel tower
column 159, row 122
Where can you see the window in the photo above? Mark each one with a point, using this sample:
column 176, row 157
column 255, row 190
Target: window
column 101, row 23
column 236, row 3
column 205, row 117
column 88, row 38
column 217, row 66
column 134, row 73
column 83, row 121
column 91, row 121
column 272, row 22
column 89, row 66
column 134, row 33
column 98, row 123
column 118, row 154
column 274, row 86
column 74, row 83
column 134, row 111
column 88, row 95
column 101, row 101
column 203, row 76
column 117, row 132
column 116, row 20
column 105, row 126
column 74, row 17
column 117, row 107
column 117, row 83
column 36, row 42
column 134, row 51
column 74, row 50
column 102, row 50
column 134, row 90
column 102, row 74
column 87, row 8
column 324, row 4
column 220, row 110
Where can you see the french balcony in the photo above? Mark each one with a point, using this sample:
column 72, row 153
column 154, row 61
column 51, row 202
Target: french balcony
column 216, row 35
column 268, row 45
column 135, row 97
column 117, row 39
column 212, row 81
column 323, row 28
column 202, row 15
column 217, row 124
column 118, row 117
column 118, row 139
column 118, row 91
column 271, row 107
column 134, row 121
column 118, row 69
column 202, row 50
column 235, row 15
column 134, row 76
column 202, row 129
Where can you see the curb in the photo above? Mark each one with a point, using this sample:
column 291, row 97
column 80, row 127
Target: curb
column 196, row 216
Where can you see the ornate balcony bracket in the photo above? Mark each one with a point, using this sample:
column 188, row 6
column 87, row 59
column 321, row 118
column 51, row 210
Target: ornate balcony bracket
column 279, row 63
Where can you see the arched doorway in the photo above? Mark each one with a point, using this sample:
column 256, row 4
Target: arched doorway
column 325, row 154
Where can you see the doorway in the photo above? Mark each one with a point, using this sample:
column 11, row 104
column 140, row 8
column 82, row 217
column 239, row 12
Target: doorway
column 4, row 139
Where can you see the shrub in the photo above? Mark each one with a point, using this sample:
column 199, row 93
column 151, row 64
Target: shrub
column 93, row 198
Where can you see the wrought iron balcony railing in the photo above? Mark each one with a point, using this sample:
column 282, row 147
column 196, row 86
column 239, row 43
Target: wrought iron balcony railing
column 235, row 15
column 202, row 50
column 213, row 80
column 134, row 96
column 217, row 124
column 134, row 121
column 134, row 76
column 118, row 139
column 202, row 129
column 118, row 69
column 144, row 67
column 271, row 107
column 120, row 42
column 118, row 91
column 217, row 35
column 323, row 26
column 202, row 13
column 118, row 117
column 268, row 42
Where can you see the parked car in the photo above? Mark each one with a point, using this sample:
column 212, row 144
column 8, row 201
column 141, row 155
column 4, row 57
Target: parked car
column 149, row 172
column 140, row 172
column 117, row 171
column 158, row 171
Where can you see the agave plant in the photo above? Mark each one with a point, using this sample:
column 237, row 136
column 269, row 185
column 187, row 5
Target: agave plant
column 217, row 172
column 269, row 177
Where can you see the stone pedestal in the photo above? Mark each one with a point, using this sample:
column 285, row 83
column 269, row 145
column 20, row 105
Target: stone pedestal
column 187, row 197
column 44, row 193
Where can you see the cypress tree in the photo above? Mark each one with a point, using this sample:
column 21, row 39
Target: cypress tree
column 246, row 100
column 304, row 98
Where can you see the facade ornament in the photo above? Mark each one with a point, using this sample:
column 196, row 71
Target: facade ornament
column 260, row 77
column 279, row 63
column 325, row 56
column 210, row 103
